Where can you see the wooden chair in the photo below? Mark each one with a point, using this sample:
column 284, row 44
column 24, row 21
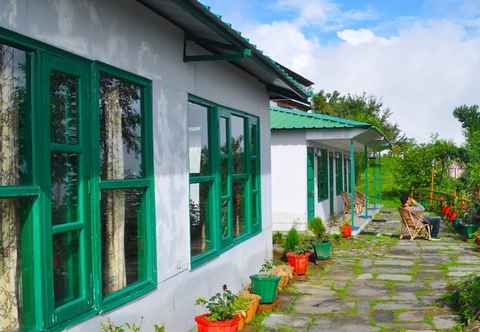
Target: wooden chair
column 412, row 226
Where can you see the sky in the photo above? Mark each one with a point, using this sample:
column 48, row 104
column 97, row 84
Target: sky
column 421, row 58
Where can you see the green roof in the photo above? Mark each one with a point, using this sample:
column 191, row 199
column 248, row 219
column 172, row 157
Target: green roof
column 283, row 118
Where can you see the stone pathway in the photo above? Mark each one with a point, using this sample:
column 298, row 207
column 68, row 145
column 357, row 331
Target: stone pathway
column 378, row 283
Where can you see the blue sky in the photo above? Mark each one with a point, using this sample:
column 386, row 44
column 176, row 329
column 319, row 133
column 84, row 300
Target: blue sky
column 420, row 57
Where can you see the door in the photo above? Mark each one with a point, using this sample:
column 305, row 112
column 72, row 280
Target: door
column 331, row 184
column 65, row 174
column 310, row 184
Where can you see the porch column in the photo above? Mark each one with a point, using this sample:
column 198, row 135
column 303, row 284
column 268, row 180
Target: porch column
column 375, row 178
column 367, row 184
column 380, row 193
column 352, row 182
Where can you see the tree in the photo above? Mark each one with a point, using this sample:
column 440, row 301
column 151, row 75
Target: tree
column 360, row 108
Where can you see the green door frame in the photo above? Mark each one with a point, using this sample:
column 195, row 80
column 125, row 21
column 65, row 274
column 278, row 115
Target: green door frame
column 331, row 184
column 310, row 184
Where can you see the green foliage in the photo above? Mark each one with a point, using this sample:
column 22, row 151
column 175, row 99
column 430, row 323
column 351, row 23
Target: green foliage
column 277, row 237
column 317, row 227
column 220, row 306
column 240, row 305
column 159, row 328
column 301, row 249
column 464, row 297
column 292, row 240
column 267, row 267
column 109, row 326
column 360, row 108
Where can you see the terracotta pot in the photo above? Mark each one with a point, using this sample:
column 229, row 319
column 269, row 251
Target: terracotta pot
column 252, row 308
column 205, row 325
column 346, row 231
column 241, row 323
column 299, row 263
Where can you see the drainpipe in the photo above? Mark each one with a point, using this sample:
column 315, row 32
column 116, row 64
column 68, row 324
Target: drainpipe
column 366, row 180
column 352, row 182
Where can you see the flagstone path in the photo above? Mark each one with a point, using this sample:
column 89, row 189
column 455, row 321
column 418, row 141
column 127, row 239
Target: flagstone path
column 378, row 283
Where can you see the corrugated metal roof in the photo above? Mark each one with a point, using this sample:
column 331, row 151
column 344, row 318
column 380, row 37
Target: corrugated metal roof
column 283, row 118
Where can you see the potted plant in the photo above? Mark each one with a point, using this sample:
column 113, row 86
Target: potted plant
column 285, row 272
column 240, row 306
column 292, row 241
column 252, row 301
column 298, row 260
column 265, row 284
column 346, row 230
column 222, row 315
column 477, row 238
column 322, row 247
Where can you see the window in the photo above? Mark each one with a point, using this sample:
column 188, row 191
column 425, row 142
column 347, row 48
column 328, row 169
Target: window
column 224, row 163
column 76, row 187
column 339, row 173
column 322, row 175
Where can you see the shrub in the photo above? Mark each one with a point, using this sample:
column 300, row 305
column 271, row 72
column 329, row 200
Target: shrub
column 267, row 267
column 292, row 240
column 221, row 306
column 277, row 237
column 301, row 250
column 464, row 298
column 316, row 227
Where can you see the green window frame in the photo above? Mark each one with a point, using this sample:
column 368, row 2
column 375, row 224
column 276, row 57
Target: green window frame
column 234, row 178
column 322, row 174
column 339, row 173
column 345, row 174
column 39, row 311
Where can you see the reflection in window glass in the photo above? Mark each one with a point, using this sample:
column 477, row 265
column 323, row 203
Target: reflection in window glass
column 198, row 139
column 238, row 144
column 13, row 141
column 239, row 226
column 199, row 216
column 224, row 217
column 120, row 129
column 253, row 139
column 63, row 108
column 64, row 188
column 223, row 135
column 66, row 265
column 121, row 217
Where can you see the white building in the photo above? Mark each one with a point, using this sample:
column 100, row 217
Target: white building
column 134, row 161
column 313, row 159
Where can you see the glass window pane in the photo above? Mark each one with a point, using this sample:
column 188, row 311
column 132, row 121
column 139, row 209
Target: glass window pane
column 238, row 144
column 223, row 135
column 253, row 139
column 199, row 218
column 123, row 238
column 12, row 214
column 224, row 217
column 63, row 108
column 239, row 225
column 66, row 268
column 120, row 129
column 198, row 139
column 14, row 168
column 224, row 171
column 65, row 188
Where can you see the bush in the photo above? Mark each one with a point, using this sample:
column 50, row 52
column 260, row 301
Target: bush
column 292, row 240
column 316, row 227
column 464, row 298
column 277, row 237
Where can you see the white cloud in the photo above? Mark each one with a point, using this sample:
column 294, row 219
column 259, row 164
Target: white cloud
column 421, row 73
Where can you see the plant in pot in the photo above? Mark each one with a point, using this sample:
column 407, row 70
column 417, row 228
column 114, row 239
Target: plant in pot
column 265, row 284
column 298, row 259
column 477, row 239
column 247, row 304
column 346, row 230
column 292, row 241
column 222, row 315
column 322, row 246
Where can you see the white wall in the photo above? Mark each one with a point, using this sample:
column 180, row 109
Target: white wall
column 125, row 34
column 289, row 180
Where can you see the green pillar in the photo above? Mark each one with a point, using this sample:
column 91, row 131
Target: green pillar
column 367, row 184
column 375, row 178
column 380, row 192
column 352, row 181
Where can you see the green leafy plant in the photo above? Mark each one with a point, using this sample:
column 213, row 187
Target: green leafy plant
column 109, row 326
column 292, row 240
column 241, row 304
column 277, row 237
column 159, row 328
column 464, row 298
column 301, row 250
column 317, row 227
column 267, row 267
column 221, row 306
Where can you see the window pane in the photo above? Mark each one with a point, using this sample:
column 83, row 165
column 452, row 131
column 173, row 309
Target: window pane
column 238, row 144
column 63, row 108
column 239, row 225
column 12, row 214
column 253, row 139
column 14, row 143
column 224, row 171
column 223, row 136
column 66, row 266
column 120, row 129
column 199, row 218
column 123, row 238
column 224, row 217
column 198, row 139
column 64, row 188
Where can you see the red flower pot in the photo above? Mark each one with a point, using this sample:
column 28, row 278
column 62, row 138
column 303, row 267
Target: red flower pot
column 299, row 263
column 453, row 216
column 346, row 231
column 205, row 325
column 477, row 241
